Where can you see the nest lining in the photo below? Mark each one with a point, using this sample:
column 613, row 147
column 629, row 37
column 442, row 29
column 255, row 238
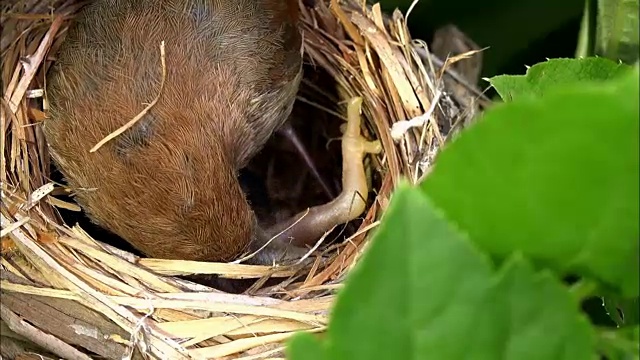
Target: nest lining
column 104, row 301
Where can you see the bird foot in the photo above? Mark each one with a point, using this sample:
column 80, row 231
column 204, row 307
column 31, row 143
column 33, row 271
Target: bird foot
column 307, row 227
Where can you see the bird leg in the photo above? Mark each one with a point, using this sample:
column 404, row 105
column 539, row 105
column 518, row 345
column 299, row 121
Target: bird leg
column 308, row 226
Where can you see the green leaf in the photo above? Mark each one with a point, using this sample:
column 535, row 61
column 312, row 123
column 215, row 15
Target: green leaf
column 304, row 346
column 623, row 311
column 422, row 291
column 555, row 178
column 532, row 315
column 630, row 309
column 544, row 76
column 618, row 30
column 611, row 307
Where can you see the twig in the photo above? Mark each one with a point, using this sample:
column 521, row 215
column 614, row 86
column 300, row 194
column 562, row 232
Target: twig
column 34, row 63
column 42, row 339
column 245, row 258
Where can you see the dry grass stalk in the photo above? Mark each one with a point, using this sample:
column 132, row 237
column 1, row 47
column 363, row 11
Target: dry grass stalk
column 367, row 54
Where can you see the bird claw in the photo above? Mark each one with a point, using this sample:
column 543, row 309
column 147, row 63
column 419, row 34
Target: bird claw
column 309, row 226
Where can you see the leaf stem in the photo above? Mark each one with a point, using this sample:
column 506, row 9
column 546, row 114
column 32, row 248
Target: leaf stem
column 587, row 35
column 583, row 289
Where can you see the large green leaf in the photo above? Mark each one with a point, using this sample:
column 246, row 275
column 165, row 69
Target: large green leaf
column 544, row 76
column 304, row 346
column 553, row 177
column 531, row 315
column 422, row 291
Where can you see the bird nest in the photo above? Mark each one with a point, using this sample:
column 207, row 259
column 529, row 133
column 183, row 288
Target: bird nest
column 67, row 292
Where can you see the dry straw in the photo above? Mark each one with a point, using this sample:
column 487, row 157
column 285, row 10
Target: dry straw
column 67, row 295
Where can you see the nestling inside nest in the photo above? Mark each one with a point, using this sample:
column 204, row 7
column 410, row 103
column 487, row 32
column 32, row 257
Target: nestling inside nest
column 224, row 83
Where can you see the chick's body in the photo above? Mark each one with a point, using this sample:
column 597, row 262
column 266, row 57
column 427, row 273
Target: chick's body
column 168, row 185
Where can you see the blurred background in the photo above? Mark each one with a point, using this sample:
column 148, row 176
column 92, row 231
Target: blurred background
column 518, row 33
